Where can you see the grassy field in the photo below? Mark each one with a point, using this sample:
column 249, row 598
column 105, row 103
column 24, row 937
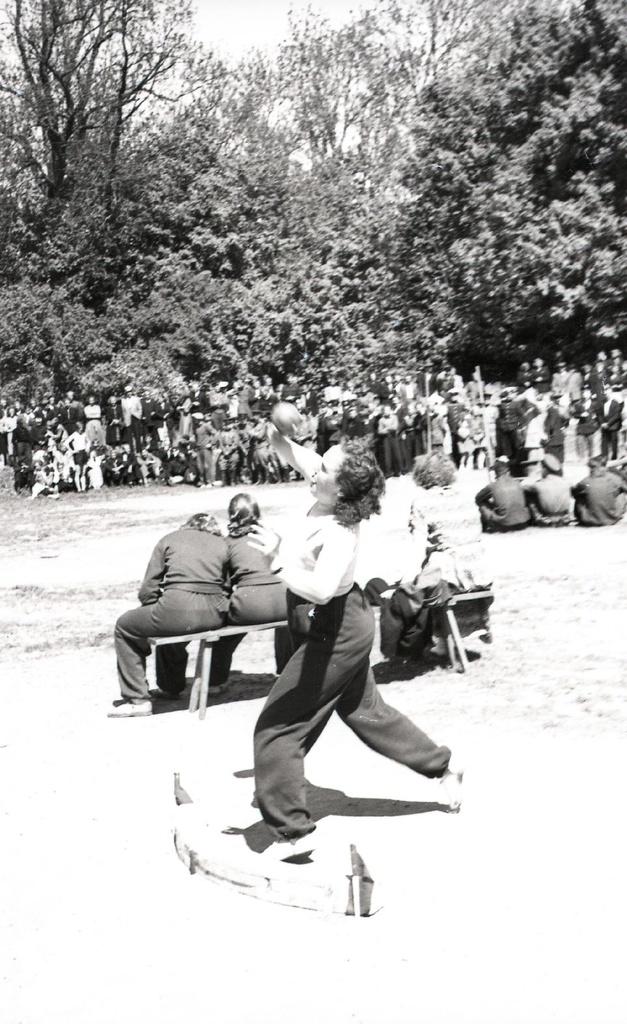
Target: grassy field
column 71, row 566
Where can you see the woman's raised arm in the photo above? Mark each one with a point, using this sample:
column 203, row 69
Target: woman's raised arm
column 303, row 460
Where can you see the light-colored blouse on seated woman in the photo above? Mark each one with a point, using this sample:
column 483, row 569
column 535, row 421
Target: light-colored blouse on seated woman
column 446, row 535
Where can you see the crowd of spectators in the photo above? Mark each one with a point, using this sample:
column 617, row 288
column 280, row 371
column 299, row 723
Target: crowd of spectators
column 217, row 434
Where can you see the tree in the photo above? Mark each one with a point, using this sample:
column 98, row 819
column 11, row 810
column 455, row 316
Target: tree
column 75, row 73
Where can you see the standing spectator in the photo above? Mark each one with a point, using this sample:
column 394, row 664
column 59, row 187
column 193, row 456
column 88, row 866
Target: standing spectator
column 22, row 441
column 510, row 428
column 574, row 385
column 440, row 437
column 71, row 412
column 78, row 446
column 114, row 422
column 559, row 382
column 329, row 426
column 206, row 441
column 598, row 381
column 555, row 423
column 387, row 442
column 533, row 418
column 93, row 422
column 184, row 409
column 6, row 427
column 263, row 468
column 588, row 427
column 149, row 405
column 611, row 422
column 524, row 375
column 132, row 415
column 454, row 414
column 230, row 455
column 9, row 425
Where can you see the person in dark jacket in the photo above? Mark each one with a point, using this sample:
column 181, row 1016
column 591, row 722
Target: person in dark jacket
column 555, row 423
column 599, row 497
column 257, row 595
column 510, row 427
column 502, row 504
column 182, row 592
column 586, row 412
column 611, row 416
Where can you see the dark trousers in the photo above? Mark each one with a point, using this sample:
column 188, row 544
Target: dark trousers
column 175, row 613
column 249, row 605
column 204, row 458
column 330, row 671
column 492, row 523
column 134, row 434
column 609, row 444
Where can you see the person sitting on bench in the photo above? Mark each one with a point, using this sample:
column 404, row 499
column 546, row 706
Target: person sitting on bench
column 183, row 592
column 446, row 557
column 257, row 594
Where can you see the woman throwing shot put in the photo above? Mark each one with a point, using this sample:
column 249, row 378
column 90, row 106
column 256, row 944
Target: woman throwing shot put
column 332, row 627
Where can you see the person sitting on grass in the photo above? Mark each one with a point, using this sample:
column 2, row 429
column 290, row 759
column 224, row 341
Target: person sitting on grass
column 502, row 504
column 182, row 593
column 599, row 497
column 549, row 498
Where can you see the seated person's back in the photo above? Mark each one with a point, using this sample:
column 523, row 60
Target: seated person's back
column 502, row 503
column 599, row 497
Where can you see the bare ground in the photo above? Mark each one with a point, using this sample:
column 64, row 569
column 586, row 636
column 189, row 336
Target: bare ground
column 103, row 924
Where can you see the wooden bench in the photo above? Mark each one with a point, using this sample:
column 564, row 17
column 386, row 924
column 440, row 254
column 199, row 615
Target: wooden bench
column 454, row 640
column 200, row 687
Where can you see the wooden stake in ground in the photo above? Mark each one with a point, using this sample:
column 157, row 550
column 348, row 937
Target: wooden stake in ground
column 362, row 885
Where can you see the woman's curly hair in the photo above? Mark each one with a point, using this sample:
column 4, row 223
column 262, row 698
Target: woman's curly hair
column 204, row 521
column 361, row 484
column 243, row 513
column 434, row 470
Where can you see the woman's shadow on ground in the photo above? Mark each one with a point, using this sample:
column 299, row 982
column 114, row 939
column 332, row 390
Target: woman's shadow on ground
column 324, row 803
